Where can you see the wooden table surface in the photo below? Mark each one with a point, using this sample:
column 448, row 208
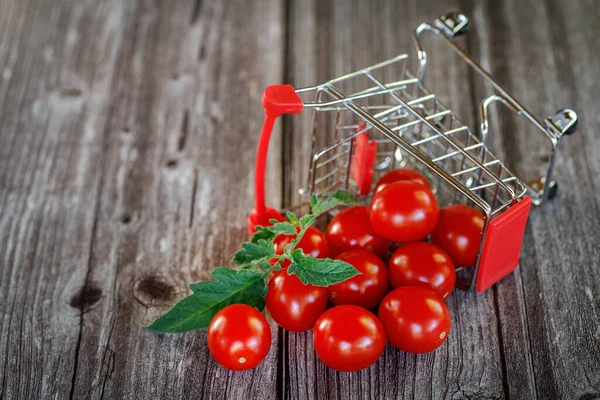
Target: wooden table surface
column 127, row 139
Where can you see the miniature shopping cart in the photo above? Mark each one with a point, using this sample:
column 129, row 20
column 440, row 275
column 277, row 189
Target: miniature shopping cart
column 382, row 117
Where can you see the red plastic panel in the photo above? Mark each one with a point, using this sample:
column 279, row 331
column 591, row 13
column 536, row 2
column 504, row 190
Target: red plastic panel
column 502, row 247
column 363, row 161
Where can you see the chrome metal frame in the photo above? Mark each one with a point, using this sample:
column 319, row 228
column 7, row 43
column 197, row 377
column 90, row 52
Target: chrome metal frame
column 413, row 119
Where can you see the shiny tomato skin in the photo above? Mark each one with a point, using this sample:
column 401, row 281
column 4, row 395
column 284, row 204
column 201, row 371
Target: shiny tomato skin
column 351, row 229
column 293, row 305
column 348, row 338
column 404, row 211
column 459, row 231
column 416, row 320
column 423, row 264
column 312, row 243
column 239, row 337
column 365, row 290
column 401, row 174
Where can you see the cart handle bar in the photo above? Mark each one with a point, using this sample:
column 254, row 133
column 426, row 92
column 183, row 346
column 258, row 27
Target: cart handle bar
column 563, row 122
column 277, row 100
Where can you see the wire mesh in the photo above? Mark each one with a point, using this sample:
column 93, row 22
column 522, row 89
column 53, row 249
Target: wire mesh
column 411, row 127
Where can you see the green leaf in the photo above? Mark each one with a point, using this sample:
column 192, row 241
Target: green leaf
column 264, row 265
column 262, row 233
column 254, row 253
column 283, row 227
column 320, row 271
column 231, row 286
column 292, row 218
column 340, row 197
column 314, row 200
column 307, row 220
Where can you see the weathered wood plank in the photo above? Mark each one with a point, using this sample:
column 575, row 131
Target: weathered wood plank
column 128, row 131
column 46, row 206
column 177, row 195
column 548, row 307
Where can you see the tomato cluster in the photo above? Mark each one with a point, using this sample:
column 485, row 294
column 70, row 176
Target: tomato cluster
column 406, row 288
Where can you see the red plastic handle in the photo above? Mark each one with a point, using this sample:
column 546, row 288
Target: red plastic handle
column 277, row 100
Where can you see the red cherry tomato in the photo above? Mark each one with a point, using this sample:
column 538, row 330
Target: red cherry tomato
column 404, row 211
column 423, row 264
column 416, row 320
column 350, row 229
column 402, row 174
column 313, row 243
column 294, row 305
column 239, row 337
column 365, row 290
column 459, row 232
column 348, row 338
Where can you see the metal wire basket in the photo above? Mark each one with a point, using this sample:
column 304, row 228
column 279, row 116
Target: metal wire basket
column 382, row 117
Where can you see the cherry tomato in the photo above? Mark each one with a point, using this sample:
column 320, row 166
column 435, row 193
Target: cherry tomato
column 401, row 174
column 313, row 243
column 459, row 232
column 423, row 264
column 365, row 290
column 239, row 337
column 404, row 211
column 348, row 338
column 350, row 229
column 294, row 305
column 416, row 320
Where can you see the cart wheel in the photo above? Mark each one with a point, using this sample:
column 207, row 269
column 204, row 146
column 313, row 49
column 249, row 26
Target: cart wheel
column 538, row 185
column 453, row 24
column 563, row 122
column 552, row 190
column 572, row 128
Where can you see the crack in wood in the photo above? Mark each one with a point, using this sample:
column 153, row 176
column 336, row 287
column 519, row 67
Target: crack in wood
column 195, row 15
column 85, row 285
column 287, row 137
column 193, row 201
column 69, row 92
column 281, row 356
column 112, row 359
column 201, row 51
column 183, row 132
column 95, row 223
column 505, row 386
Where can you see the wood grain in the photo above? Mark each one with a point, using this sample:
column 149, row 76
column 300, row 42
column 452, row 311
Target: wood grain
column 116, row 160
column 543, row 304
column 127, row 138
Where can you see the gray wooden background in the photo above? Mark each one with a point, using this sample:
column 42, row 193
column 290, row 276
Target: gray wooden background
column 127, row 138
